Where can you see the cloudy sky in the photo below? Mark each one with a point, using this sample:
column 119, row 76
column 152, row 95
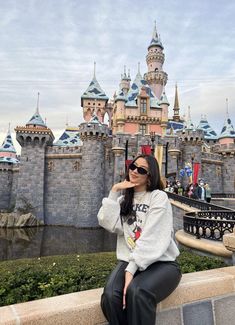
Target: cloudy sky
column 49, row 46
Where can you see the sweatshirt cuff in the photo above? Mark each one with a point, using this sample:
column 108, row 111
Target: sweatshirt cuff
column 114, row 195
column 131, row 267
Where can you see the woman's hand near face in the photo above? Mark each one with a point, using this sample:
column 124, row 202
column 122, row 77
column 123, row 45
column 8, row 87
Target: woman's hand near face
column 123, row 186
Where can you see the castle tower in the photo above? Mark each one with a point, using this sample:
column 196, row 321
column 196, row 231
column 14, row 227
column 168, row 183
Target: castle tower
column 8, row 161
column 94, row 100
column 176, row 109
column 155, row 77
column 125, row 82
column 92, row 182
column 7, row 149
column 227, row 148
column 191, row 152
column 33, row 138
column 164, row 104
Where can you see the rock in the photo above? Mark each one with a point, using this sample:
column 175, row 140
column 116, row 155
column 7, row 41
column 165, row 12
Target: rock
column 15, row 220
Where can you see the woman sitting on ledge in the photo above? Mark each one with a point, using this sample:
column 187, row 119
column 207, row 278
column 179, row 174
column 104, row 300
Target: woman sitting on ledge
column 147, row 271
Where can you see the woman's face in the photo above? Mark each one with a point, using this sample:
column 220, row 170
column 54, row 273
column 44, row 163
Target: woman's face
column 137, row 177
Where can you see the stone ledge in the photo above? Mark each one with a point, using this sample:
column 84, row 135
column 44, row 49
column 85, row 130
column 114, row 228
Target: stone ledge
column 204, row 245
column 184, row 207
column 83, row 308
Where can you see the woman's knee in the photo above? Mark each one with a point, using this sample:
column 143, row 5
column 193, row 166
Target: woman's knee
column 137, row 292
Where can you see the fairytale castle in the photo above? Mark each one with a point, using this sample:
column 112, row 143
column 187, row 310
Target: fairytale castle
column 65, row 181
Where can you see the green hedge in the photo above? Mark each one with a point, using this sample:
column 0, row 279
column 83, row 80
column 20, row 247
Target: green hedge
column 30, row 279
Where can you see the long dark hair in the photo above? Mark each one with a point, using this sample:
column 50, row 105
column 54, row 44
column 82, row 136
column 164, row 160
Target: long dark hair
column 154, row 183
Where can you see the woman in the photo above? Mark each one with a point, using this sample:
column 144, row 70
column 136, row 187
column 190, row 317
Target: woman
column 147, row 271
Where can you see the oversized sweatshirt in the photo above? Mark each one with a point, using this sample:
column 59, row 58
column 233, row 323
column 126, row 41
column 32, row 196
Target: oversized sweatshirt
column 146, row 236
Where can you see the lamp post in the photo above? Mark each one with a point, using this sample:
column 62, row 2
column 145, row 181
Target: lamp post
column 152, row 137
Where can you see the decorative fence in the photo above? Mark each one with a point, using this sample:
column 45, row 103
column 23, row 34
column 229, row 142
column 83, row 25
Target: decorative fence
column 212, row 222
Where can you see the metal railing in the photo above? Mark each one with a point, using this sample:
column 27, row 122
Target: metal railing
column 223, row 195
column 200, row 205
column 212, row 222
column 209, row 224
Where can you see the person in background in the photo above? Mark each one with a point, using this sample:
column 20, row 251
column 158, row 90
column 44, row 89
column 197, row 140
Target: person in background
column 200, row 191
column 208, row 192
column 147, row 271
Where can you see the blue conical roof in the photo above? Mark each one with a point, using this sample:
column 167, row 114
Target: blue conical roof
column 155, row 41
column 69, row 138
column 209, row 133
column 36, row 120
column 227, row 130
column 7, row 145
column 133, row 92
column 94, row 91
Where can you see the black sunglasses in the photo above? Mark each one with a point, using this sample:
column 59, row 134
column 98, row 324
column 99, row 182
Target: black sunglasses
column 140, row 170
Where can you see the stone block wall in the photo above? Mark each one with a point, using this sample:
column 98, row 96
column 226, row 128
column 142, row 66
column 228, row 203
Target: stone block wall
column 6, row 179
column 62, row 182
column 212, row 167
column 228, row 175
column 31, row 179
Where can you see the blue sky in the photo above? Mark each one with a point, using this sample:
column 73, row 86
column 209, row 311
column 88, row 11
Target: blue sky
column 49, row 46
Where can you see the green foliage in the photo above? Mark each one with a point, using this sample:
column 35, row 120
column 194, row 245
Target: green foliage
column 30, row 279
column 191, row 262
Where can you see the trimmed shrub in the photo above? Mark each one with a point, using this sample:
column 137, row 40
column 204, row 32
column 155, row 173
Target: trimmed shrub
column 30, row 279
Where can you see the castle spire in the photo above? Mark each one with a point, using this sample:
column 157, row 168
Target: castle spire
column 228, row 129
column 189, row 123
column 94, row 74
column 37, row 109
column 176, row 116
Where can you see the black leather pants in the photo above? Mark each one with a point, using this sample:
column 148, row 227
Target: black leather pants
column 146, row 289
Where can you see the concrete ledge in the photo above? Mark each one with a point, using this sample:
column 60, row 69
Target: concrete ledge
column 204, row 245
column 184, row 207
column 83, row 308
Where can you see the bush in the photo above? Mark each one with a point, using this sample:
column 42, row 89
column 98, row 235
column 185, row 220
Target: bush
column 30, row 279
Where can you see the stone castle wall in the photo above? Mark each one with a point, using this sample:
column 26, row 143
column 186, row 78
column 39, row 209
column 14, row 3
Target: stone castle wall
column 6, row 180
column 74, row 180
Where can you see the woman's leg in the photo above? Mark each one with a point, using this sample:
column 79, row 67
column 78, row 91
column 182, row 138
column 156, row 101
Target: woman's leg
column 111, row 300
column 148, row 288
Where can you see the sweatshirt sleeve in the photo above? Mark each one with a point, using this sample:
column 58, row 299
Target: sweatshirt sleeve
column 109, row 213
column 156, row 235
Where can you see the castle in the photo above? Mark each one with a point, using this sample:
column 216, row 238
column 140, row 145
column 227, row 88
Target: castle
column 64, row 181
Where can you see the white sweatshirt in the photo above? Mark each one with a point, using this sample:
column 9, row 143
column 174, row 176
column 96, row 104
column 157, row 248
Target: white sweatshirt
column 145, row 239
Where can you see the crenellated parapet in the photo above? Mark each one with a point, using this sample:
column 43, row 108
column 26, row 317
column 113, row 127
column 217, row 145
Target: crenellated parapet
column 192, row 137
column 93, row 131
column 157, row 77
column 155, row 56
column 226, row 149
column 34, row 135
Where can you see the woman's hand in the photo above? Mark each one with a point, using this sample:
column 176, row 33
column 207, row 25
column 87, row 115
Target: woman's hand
column 123, row 185
column 128, row 279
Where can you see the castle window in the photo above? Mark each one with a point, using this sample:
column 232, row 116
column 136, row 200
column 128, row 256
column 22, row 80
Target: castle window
column 142, row 129
column 156, row 69
column 143, row 106
column 98, row 104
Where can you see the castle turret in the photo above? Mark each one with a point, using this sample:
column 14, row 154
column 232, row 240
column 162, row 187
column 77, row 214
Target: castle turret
column 226, row 147
column 125, row 81
column 92, row 184
column 191, row 144
column 8, row 161
column 33, row 138
column 155, row 77
column 94, row 100
column 164, row 104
